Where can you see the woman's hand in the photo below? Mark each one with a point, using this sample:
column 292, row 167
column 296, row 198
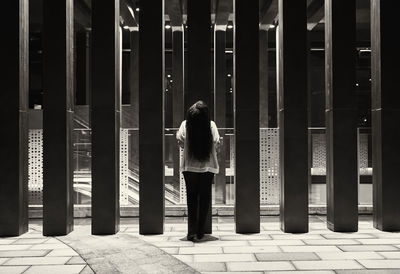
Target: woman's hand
column 180, row 143
column 219, row 144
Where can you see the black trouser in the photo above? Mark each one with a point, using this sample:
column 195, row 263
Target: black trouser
column 198, row 193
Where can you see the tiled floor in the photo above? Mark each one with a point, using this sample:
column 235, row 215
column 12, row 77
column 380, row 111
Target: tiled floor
column 272, row 251
column 368, row 251
column 33, row 253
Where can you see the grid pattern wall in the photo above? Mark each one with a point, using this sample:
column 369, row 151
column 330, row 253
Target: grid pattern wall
column 363, row 154
column 124, row 168
column 182, row 186
column 35, row 166
column 318, row 154
column 269, row 166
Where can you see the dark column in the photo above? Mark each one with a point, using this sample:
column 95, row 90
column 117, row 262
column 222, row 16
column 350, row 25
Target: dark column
column 199, row 60
column 199, row 53
column 385, row 115
column 105, row 116
column 340, row 116
column 263, row 47
column 82, row 68
column 151, row 117
column 247, row 127
column 134, row 77
column 58, row 114
column 14, row 52
column 177, row 93
column 292, row 115
column 220, row 107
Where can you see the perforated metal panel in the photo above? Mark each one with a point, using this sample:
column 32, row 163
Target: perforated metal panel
column 269, row 166
column 35, row 166
column 182, row 186
column 363, row 154
column 318, row 154
column 124, row 168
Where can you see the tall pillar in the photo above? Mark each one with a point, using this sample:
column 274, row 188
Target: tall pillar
column 105, row 116
column 151, row 117
column 263, row 47
column 220, row 108
column 199, row 61
column 292, row 115
column 177, row 93
column 199, row 53
column 134, row 85
column 58, row 114
column 385, row 115
column 247, row 127
column 14, row 52
column 82, row 68
column 341, row 115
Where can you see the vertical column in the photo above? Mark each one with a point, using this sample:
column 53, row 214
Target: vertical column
column 105, row 116
column 14, row 119
column 292, row 115
column 247, row 127
column 341, row 116
column 151, row 117
column 58, row 114
column 263, row 47
column 177, row 92
column 82, row 68
column 220, row 107
column 199, row 58
column 385, row 115
column 134, row 76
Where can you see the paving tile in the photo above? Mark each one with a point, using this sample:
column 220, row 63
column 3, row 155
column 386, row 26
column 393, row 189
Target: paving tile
column 310, row 248
column 53, row 241
column 238, row 237
column 171, row 250
column 7, row 241
column 224, row 258
column 49, row 246
column 380, row 263
column 368, row 271
column 76, row 260
column 14, row 247
column 259, row 266
column 296, row 236
column 156, row 238
column 51, row 269
column 3, row 260
column 223, row 243
column 23, row 253
column 286, row 256
column 184, row 258
column 29, row 241
column 173, row 244
column 391, row 254
column 327, row 242
column 251, row 249
column 387, row 235
column 12, row 269
column 302, row 272
column 379, row 241
column 348, row 255
column 87, row 270
column 361, row 248
column 322, row 265
column 37, row 260
column 66, row 252
column 200, row 250
column 276, row 242
column 234, row 272
column 207, row 267
column 338, row 235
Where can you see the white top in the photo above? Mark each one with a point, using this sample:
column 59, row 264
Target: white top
column 194, row 165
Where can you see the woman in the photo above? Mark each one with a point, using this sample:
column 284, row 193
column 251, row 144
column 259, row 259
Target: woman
column 198, row 136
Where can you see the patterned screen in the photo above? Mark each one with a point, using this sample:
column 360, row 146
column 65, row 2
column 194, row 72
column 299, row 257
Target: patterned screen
column 35, row 166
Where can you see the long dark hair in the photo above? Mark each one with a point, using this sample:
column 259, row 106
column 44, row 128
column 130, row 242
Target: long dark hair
column 199, row 131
